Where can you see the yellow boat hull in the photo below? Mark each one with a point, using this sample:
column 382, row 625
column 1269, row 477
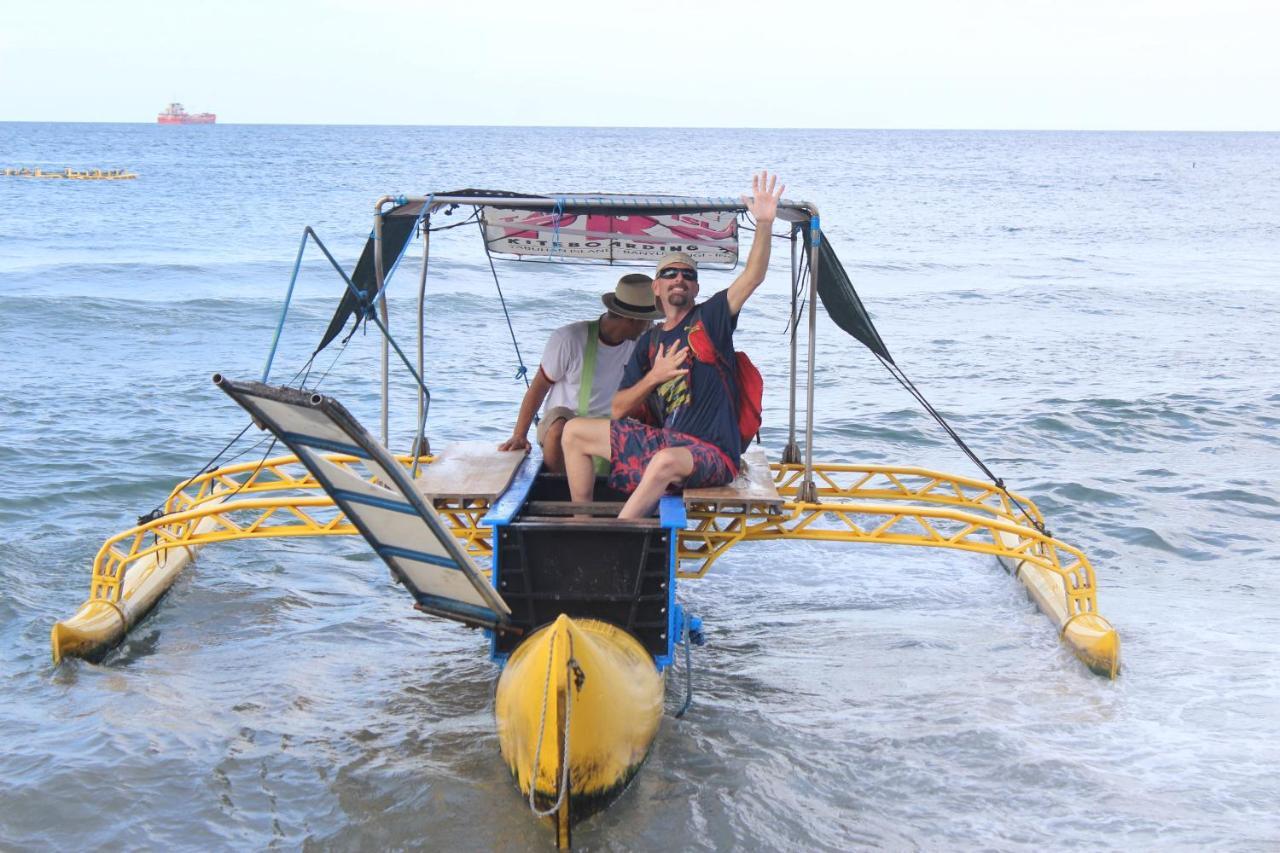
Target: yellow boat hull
column 1089, row 635
column 99, row 624
column 581, row 693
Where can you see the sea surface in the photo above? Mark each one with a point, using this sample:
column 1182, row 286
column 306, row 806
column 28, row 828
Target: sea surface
column 1096, row 313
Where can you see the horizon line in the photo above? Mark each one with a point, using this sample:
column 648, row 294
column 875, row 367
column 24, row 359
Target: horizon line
column 668, row 127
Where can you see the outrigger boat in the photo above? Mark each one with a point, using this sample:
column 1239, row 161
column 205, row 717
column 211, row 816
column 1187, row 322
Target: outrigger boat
column 580, row 607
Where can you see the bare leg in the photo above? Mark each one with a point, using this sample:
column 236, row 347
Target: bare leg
column 552, row 453
column 582, row 439
column 666, row 467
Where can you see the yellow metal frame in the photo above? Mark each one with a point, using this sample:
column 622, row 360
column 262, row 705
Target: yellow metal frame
column 894, row 506
column 881, row 504
column 253, row 500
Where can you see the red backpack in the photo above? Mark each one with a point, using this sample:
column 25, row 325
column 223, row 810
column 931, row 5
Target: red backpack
column 749, row 381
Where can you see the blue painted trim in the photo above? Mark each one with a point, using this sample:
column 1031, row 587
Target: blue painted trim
column 417, row 222
column 421, row 556
column 501, row 514
column 509, row 504
column 284, row 309
column 455, row 606
column 324, row 444
column 671, row 512
column 671, row 508
column 370, row 500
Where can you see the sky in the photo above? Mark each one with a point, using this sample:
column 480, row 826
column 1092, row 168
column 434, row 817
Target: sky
column 987, row 64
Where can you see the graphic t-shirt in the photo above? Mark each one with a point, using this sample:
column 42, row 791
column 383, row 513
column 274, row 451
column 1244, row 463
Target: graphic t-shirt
column 697, row 403
column 562, row 363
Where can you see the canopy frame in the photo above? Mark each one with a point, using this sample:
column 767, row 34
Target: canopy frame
column 802, row 214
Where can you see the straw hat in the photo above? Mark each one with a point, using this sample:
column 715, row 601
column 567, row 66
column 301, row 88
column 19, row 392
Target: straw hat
column 633, row 297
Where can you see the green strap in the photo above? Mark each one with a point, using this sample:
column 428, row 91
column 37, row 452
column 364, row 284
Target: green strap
column 588, row 377
column 588, row 368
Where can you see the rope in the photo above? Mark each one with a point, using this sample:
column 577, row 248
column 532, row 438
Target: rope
column 905, row 382
column 474, row 217
column 571, row 667
column 556, row 213
column 688, row 671
column 522, row 372
column 799, row 294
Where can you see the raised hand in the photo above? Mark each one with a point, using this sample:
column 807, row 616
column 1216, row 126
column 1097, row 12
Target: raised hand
column 765, row 194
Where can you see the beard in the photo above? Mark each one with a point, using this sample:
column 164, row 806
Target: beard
column 678, row 299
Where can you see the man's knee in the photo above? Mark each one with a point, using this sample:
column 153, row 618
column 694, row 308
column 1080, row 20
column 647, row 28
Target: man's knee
column 671, row 463
column 582, row 434
column 572, row 433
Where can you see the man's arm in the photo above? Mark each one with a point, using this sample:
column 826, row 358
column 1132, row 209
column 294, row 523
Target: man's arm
column 763, row 206
column 666, row 365
column 533, row 397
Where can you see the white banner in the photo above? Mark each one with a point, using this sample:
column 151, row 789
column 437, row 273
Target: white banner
column 709, row 237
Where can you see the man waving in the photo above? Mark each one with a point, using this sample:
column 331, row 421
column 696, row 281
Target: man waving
column 679, row 370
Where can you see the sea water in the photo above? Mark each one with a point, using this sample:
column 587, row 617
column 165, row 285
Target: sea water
column 1095, row 313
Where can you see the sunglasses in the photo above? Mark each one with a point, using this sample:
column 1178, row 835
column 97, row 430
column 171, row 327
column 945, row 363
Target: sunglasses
column 671, row 272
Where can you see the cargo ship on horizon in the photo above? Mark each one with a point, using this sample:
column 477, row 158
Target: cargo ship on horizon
column 175, row 114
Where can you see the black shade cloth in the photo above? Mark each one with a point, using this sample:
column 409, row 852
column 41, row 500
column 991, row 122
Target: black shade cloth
column 397, row 228
column 841, row 301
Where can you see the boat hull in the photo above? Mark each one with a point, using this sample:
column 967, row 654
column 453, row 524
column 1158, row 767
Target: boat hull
column 99, row 625
column 198, row 118
column 1089, row 635
column 585, row 690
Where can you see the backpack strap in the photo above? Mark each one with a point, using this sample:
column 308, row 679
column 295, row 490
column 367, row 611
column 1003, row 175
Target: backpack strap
column 584, row 384
column 588, row 367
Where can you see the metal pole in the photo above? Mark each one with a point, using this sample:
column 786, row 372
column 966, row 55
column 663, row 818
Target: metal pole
column 808, row 492
column 420, row 445
column 791, row 453
column 378, row 277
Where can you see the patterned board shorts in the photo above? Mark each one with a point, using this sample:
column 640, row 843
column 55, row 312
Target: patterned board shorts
column 632, row 444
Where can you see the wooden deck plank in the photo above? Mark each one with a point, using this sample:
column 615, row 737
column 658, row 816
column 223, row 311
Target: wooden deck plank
column 469, row 469
column 754, row 486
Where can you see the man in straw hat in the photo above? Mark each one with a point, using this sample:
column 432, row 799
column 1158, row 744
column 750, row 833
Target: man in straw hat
column 680, row 374
column 582, row 366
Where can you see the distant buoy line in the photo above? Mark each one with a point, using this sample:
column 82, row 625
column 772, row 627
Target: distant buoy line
column 74, row 174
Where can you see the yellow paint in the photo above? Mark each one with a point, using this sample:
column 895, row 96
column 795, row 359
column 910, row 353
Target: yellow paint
column 855, row 503
column 1095, row 642
column 249, row 500
column 600, row 680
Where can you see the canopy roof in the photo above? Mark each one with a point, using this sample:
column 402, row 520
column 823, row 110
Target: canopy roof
column 605, row 228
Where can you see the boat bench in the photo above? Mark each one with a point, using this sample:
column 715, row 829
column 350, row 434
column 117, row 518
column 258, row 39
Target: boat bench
column 752, row 492
column 473, row 470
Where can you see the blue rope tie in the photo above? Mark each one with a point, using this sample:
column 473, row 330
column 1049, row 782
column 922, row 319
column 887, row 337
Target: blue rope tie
column 555, row 226
column 522, row 372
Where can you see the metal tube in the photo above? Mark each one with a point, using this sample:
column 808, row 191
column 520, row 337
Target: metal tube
column 378, row 277
column 808, row 492
column 420, row 441
column 791, row 453
column 789, row 211
column 288, row 297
